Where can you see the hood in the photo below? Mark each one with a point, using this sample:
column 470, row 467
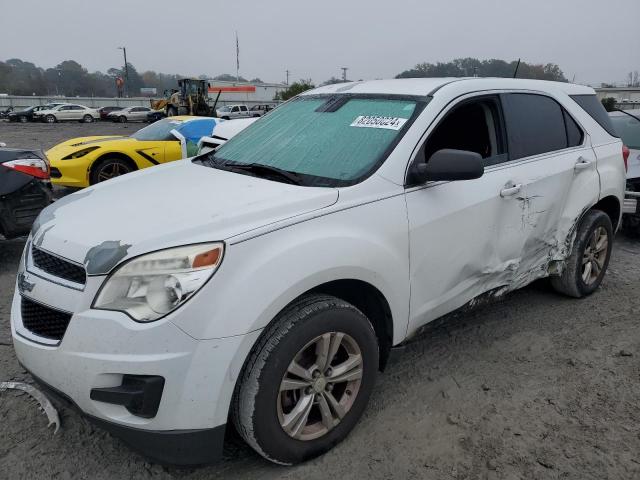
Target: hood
column 64, row 148
column 170, row 205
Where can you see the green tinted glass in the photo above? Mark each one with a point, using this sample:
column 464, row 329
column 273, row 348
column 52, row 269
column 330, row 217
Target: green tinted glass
column 343, row 144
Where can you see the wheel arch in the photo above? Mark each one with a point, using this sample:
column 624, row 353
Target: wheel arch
column 371, row 302
column 122, row 156
column 611, row 206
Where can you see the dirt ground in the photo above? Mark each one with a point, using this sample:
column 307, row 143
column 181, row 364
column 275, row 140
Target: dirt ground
column 534, row 386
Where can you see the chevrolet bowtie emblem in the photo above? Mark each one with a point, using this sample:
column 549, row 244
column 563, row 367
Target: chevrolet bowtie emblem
column 24, row 285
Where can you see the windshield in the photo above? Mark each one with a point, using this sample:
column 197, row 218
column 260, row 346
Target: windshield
column 325, row 140
column 160, row 130
column 628, row 127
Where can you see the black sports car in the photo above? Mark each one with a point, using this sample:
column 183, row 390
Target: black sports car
column 24, row 189
column 26, row 115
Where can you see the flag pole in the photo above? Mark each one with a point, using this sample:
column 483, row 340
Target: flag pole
column 237, row 59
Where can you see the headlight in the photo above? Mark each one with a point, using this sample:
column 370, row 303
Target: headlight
column 79, row 153
column 153, row 285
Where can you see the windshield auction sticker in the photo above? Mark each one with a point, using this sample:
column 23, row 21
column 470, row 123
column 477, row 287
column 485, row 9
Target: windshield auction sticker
column 374, row 121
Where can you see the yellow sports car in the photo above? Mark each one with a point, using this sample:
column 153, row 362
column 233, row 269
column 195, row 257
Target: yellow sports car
column 81, row 162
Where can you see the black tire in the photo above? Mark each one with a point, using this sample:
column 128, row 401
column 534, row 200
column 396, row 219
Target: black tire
column 50, row 119
column 23, row 119
column 571, row 282
column 257, row 395
column 107, row 168
column 172, row 111
column 87, row 119
column 226, row 118
column 256, row 116
column 122, row 119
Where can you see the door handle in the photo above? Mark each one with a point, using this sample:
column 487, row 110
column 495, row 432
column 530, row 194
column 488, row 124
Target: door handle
column 582, row 164
column 510, row 191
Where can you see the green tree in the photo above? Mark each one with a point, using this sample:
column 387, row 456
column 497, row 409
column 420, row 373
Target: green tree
column 225, row 77
column 294, row 89
column 469, row 67
column 609, row 103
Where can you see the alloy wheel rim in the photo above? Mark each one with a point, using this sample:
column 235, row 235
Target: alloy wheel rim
column 595, row 255
column 320, row 386
column 111, row 170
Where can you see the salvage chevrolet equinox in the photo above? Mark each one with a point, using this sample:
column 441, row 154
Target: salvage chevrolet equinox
column 264, row 284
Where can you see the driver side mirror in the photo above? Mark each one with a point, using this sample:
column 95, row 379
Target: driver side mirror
column 449, row 165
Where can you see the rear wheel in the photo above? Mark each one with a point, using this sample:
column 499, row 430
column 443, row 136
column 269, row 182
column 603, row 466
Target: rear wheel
column 308, row 380
column 587, row 265
column 23, row 119
column 50, row 119
column 172, row 111
column 109, row 168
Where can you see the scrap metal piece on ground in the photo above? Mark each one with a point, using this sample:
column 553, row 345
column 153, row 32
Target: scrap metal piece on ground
column 45, row 403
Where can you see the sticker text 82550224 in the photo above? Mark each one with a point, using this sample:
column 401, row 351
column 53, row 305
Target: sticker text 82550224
column 375, row 121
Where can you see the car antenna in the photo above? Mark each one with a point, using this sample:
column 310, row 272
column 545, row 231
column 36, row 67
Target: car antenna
column 515, row 72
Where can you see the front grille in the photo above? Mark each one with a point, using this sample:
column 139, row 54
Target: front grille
column 44, row 321
column 57, row 266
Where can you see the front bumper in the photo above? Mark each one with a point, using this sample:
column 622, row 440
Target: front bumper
column 71, row 173
column 167, row 447
column 99, row 348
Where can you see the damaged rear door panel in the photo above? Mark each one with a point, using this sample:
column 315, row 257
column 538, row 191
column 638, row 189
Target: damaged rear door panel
column 556, row 168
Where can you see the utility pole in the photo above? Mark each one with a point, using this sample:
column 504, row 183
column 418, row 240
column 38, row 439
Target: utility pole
column 287, row 72
column 344, row 73
column 126, row 71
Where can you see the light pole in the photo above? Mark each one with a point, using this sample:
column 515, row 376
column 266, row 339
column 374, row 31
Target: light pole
column 126, row 71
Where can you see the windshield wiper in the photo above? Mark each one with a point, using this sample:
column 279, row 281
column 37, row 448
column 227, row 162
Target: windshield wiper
column 257, row 168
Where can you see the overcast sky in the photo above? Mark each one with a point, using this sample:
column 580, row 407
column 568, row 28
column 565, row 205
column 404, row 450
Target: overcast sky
column 595, row 40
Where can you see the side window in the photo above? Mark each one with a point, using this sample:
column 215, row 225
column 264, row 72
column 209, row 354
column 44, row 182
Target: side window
column 535, row 124
column 474, row 125
column 77, row 107
column 243, row 108
column 234, row 109
column 574, row 132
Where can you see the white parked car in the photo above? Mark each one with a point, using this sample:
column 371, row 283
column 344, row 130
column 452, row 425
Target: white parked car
column 230, row 112
column 224, row 131
column 627, row 125
column 67, row 112
column 267, row 283
column 129, row 114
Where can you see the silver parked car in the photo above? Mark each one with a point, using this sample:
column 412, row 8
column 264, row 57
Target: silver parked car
column 67, row 111
column 130, row 114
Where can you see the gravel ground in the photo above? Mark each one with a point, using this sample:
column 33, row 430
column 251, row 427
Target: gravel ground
column 533, row 386
column 45, row 136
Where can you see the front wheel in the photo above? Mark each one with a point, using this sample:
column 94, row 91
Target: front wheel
column 307, row 381
column 107, row 169
column 122, row 119
column 87, row 119
column 50, row 119
column 586, row 266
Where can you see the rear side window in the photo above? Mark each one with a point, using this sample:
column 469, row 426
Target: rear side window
column 574, row 132
column 535, row 125
column 594, row 108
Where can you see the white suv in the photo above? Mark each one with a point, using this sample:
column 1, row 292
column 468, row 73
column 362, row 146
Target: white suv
column 270, row 285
